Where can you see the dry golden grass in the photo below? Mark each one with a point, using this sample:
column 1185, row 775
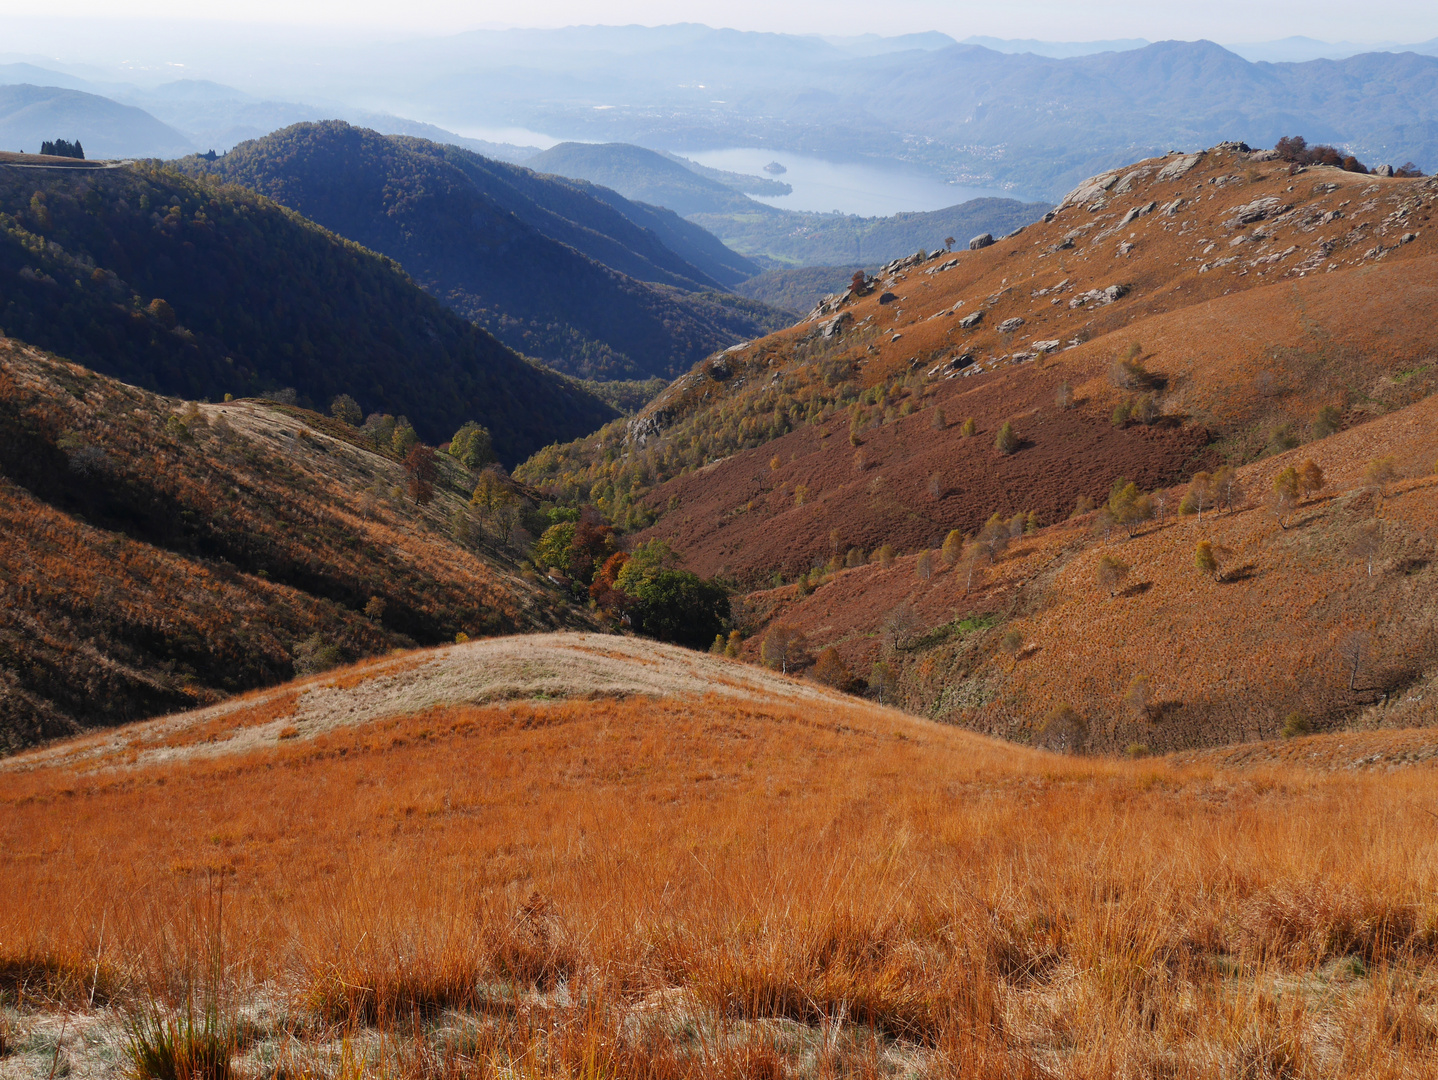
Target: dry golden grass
column 735, row 886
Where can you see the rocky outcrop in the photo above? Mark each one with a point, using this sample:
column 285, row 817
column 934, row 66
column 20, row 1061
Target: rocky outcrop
column 1099, row 297
column 1008, row 326
column 971, row 320
column 981, row 241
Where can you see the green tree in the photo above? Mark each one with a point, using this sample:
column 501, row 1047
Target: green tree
column 472, row 446
column 668, row 603
column 552, row 549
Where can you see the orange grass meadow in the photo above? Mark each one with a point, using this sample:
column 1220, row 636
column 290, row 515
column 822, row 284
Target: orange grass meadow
column 667, row 888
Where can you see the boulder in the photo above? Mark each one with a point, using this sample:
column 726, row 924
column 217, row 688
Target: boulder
column 887, row 298
column 972, row 319
column 1008, row 326
column 1383, row 170
column 1258, row 210
column 983, row 240
column 835, row 326
column 1090, row 189
column 1179, row 166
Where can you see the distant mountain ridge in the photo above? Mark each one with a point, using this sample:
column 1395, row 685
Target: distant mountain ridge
column 540, row 262
column 29, row 115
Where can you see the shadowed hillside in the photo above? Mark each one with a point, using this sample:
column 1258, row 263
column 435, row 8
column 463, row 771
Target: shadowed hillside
column 545, row 266
column 159, row 555
column 195, row 289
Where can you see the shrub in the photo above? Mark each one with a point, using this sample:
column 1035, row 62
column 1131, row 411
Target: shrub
column 969, row 428
column 936, row 419
column 1012, row 643
column 1008, row 440
column 855, row 557
column 733, row 645
column 1137, row 750
column 1326, row 422
column 1295, row 724
column 1122, row 413
column 1111, row 573
column 315, row 654
column 717, row 648
column 885, row 556
column 831, row 670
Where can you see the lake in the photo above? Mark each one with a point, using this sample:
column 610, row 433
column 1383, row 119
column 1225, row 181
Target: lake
column 867, row 189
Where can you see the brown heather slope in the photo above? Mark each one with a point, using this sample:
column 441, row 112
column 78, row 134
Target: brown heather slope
column 770, row 881
column 1227, row 661
column 158, row 556
column 1328, row 298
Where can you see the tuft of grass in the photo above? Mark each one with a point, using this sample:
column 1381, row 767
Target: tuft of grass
column 180, row 1046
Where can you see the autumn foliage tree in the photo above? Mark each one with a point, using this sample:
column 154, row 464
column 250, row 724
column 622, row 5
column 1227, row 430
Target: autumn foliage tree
column 1285, row 496
column 1205, row 560
column 421, row 471
column 1007, row 441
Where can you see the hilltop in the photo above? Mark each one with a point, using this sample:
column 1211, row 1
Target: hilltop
column 543, row 264
column 575, row 854
column 161, row 554
column 197, row 289
column 30, row 115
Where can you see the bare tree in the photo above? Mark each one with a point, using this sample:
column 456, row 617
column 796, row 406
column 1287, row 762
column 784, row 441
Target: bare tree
column 1367, row 545
column 1352, row 651
column 936, row 485
column 1064, row 396
column 1227, row 488
column 924, row 565
column 1198, row 496
column 784, row 647
column 993, row 538
column 900, row 627
column 1138, row 696
column 1012, row 643
column 1284, row 498
column 1063, row 729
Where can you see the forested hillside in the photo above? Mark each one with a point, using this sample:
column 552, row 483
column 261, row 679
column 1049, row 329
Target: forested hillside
column 548, row 269
column 196, row 289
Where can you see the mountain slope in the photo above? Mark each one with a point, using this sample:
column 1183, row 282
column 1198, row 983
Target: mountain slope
column 30, row 115
column 476, row 234
column 159, row 556
column 198, row 290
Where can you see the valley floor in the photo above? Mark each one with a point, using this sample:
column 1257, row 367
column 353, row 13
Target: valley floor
column 582, row 856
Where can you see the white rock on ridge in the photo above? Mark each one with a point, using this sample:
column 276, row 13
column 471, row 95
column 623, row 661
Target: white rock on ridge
column 1178, row 167
column 1008, row 326
column 1099, row 297
column 1257, row 210
column 1046, row 346
column 983, row 240
column 1090, row 189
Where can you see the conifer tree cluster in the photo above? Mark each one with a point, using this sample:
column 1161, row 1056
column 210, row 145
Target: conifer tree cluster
column 61, row 148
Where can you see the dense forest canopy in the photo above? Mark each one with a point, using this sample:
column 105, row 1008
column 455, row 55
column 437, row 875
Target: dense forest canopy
column 198, row 289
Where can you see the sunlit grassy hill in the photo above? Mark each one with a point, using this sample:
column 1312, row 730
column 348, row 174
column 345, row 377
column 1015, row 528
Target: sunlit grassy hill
column 576, row 856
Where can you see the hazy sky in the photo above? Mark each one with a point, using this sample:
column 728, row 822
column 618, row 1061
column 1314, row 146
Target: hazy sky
column 1230, row 21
